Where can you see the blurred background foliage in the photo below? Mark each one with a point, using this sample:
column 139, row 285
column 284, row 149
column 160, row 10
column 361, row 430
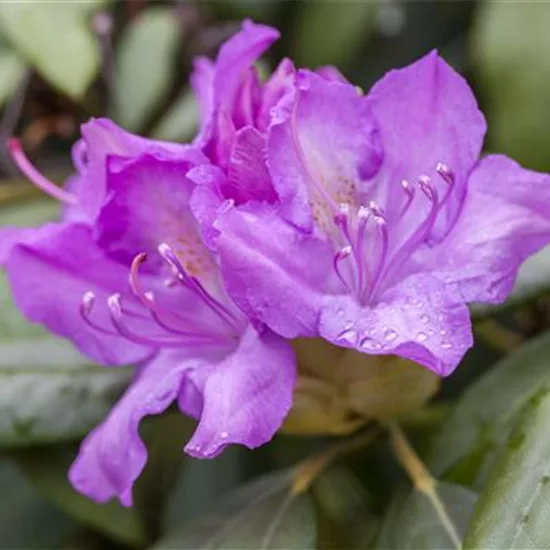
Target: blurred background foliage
column 485, row 436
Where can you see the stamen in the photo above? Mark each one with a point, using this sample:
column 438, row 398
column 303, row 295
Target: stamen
column 114, row 303
column 194, row 284
column 382, row 227
column 35, row 176
column 341, row 255
column 363, row 216
column 409, row 190
column 446, row 173
column 86, row 307
column 341, row 220
column 147, row 298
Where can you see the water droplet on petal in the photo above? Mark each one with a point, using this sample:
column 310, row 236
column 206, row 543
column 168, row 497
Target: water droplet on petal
column 421, row 337
column 224, row 435
column 348, row 336
column 424, row 318
column 443, row 332
column 430, row 332
column 446, row 345
column 390, row 335
column 340, row 312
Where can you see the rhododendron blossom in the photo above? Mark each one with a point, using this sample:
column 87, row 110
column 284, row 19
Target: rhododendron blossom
column 303, row 208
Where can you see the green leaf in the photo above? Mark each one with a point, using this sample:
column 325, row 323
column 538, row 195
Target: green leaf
column 412, row 522
column 331, row 32
column 26, row 519
column 145, row 65
column 344, row 517
column 55, row 38
column 47, row 469
column 180, row 122
column 468, row 443
column 12, row 70
column 262, row 515
column 510, row 41
column 514, row 509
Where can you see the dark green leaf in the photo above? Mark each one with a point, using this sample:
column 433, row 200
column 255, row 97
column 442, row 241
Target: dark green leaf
column 145, row 65
column 412, row 521
column 47, row 469
column 514, row 509
column 344, row 517
column 468, row 443
column 262, row 515
column 26, row 519
column 56, row 39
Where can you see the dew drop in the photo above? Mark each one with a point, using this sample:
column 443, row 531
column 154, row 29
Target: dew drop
column 224, row 435
column 424, row 319
column 390, row 335
column 430, row 332
column 348, row 336
column 340, row 312
column 446, row 345
column 421, row 337
column 443, row 332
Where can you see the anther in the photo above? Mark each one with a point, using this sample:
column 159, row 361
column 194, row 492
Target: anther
column 446, row 173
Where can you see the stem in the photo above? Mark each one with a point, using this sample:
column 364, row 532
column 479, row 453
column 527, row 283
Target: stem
column 498, row 336
column 421, row 478
column 311, row 468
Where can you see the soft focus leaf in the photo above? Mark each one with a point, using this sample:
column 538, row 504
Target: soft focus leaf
column 514, row 509
column 145, row 65
column 330, row 32
column 26, row 519
column 180, row 122
column 259, row 516
column 510, row 41
column 469, row 442
column 344, row 517
column 12, row 69
column 55, row 38
column 412, row 522
column 47, row 469
column 47, row 390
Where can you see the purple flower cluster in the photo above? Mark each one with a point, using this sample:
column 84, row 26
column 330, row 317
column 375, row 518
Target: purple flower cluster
column 303, row 208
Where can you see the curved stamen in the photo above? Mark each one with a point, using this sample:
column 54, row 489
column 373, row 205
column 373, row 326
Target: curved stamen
column 409, row 190
column 364, row 277
column 24, row 164
column 193, row 284
column 448, row 177
column 382, row 227
column 340, row 256
column 114, row 303
column 86, row 307
column 158, row 313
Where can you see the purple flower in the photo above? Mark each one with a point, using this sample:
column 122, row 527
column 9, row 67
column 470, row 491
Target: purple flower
column 387, row 222
column 126, row 276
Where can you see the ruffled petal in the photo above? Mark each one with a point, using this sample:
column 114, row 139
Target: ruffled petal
column 113, row 455
column 272, row 271
column 321, row 145
column 50, row 269
column 419, row 319
column 202, row 82
column 245, row 397
column 248, row 178
column 427, row 114
column 505, row 219
column 101, row 138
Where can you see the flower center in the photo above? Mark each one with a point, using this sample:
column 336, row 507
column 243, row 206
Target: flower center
column 371, row 249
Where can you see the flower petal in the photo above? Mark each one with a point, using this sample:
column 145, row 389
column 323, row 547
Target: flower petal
column 148, row 205
column 322, row 143
column 101, row 138
column 427, row 114
column 419, row 319
column 505, row 219
column 248, row 178
column 272, row 271
column 113, row 455
column 51, row 269
column 246, row 397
